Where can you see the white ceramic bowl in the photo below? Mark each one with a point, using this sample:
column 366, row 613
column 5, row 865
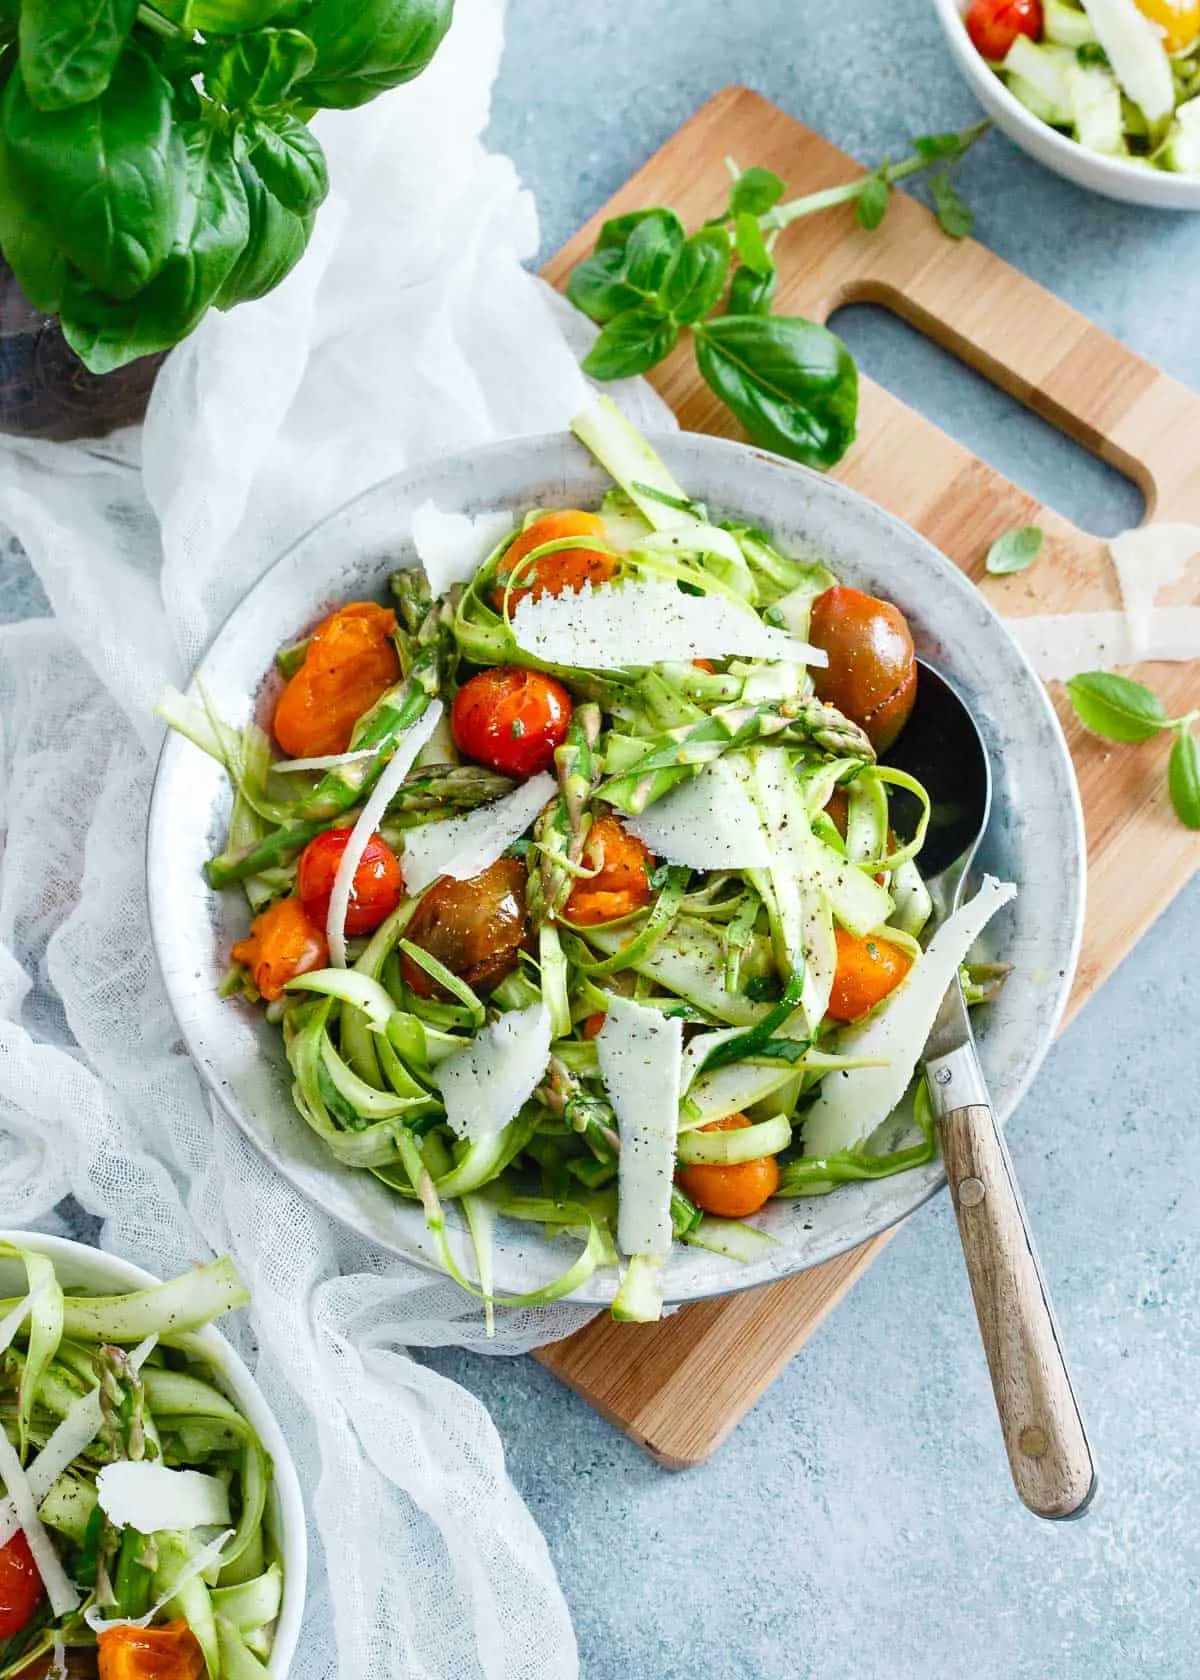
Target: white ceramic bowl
column 1035, row 836
column 1111, row 176
column 90, row 1269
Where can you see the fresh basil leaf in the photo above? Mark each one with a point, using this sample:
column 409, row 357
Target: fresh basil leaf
column 652, row 247
column 1183, row 778
column 752, row 294
column 614, row 234
column 871, row 205
column 1015, row 551
column 257, row 71
column 791, row 383
column 69, row 48
column 1116, row 707
column 631, row 344
column 934, row 146
column 365, row 47
column 755, row 191
column 231, row 17
column 696, row 278
column 108, row 178
column 954, row 216
column 288, row 156
column 278, row 239
column 597, row 286
column 29, row 248
column 751, row 246
column 106, row 333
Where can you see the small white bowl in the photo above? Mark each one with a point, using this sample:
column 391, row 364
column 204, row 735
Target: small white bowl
column 1111, row 176
column 81, row 1267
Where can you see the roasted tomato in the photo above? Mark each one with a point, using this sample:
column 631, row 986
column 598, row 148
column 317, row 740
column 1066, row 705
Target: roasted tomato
column 283, row 942
column 511, row 720
column 565, row 568
column 732, row 1192
column 170, row 1652
column 622, row 882
column 21, row 1589
column 867, row 970
column 350, row 663
column 994, row 25
column 872, row 670
column 378, row 884
column 474, row 928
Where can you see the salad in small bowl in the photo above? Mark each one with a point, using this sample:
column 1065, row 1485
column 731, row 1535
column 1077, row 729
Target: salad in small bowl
column 151, row 1526
column 567, row 917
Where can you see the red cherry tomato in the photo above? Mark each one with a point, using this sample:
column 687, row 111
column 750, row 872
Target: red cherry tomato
column 378, row 884
column 511, row 720
column 994, row 25
column 21, row 1589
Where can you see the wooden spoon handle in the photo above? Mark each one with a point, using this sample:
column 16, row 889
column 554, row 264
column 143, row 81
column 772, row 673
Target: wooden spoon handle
column 1047, row 1445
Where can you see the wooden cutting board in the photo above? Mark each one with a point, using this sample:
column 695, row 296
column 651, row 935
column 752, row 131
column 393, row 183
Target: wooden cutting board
column 679, row 1387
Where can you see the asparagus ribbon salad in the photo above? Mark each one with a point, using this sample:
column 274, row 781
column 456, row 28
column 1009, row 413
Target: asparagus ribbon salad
column 577, row 897
column 133, row 1541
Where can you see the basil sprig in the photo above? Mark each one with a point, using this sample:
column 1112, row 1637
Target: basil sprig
column 155, row 160
column 1120, row 709
column 792, row 384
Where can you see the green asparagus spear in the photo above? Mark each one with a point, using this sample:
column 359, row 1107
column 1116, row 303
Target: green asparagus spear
column 561, row 830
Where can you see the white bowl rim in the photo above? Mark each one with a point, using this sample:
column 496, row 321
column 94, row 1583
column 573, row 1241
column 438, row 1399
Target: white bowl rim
column 293, row 1528
column 1124, row 177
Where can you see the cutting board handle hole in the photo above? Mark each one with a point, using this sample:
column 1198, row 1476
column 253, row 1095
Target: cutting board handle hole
column 966, row 403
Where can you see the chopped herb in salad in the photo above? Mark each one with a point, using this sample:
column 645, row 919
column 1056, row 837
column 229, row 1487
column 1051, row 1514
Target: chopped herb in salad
column 135, row 1541
column 577, row 886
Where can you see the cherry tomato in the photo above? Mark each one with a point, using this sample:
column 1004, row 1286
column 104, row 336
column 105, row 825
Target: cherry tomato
column 283, row 942
column 474, row 928
column 511, row 720
column 622, row 884
column 872, row 670
column 565, row 568
column 867, row 970
column 169, row 1652
column 1177, row 21
column 732, row 1192
column 350, row 662
column 994, row 25
column 594, row 1025
column 376, row 891
column 705, row 665
column 21, row 1589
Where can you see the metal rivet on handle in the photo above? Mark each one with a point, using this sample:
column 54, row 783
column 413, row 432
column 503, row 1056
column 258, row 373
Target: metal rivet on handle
column 971, row 1192
column 943, row 1076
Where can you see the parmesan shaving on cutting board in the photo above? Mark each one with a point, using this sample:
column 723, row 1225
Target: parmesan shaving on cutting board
column 644, row 622
column 487, row 1084
column 1060, row 645
column 1148, row 561
column 453, row 546
column 465, row 846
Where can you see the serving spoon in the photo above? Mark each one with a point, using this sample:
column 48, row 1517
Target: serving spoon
column 1044, row 1436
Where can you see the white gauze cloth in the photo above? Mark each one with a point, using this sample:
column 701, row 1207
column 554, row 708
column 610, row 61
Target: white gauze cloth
column 411, row 329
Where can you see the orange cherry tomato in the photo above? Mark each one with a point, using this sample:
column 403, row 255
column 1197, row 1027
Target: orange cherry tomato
column 872, row 670
column 474, row 928
column 867, row 970
column 594, row 1025
column 350, row 662
column 732, row 1192
column 170, row 1652
column 565, row 568
column 377, row 888
column 1177, row 21
column 283, row 942
column 994, row 25
column 705, row 665
column 511, row 720
column 622, row 884
column 21, row 1589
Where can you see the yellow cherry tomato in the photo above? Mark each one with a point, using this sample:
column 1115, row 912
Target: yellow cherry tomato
column 1178, row 21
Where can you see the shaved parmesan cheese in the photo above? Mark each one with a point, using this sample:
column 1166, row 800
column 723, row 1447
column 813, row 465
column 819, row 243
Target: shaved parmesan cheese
column 1136, row 52
column 709, row 822
column 148, row 1496
column 12, row 1321
column 1148, row 560
column 640, row 1053
column 330, row 761
column 76, row 1431
column 59, row 1588
column 453, row 546
column 487, row 1084
column 407, row 748
column 852, row 1103
column 1058, row 645
column 647, row 623
column 197, row 1565
column 466, row 846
